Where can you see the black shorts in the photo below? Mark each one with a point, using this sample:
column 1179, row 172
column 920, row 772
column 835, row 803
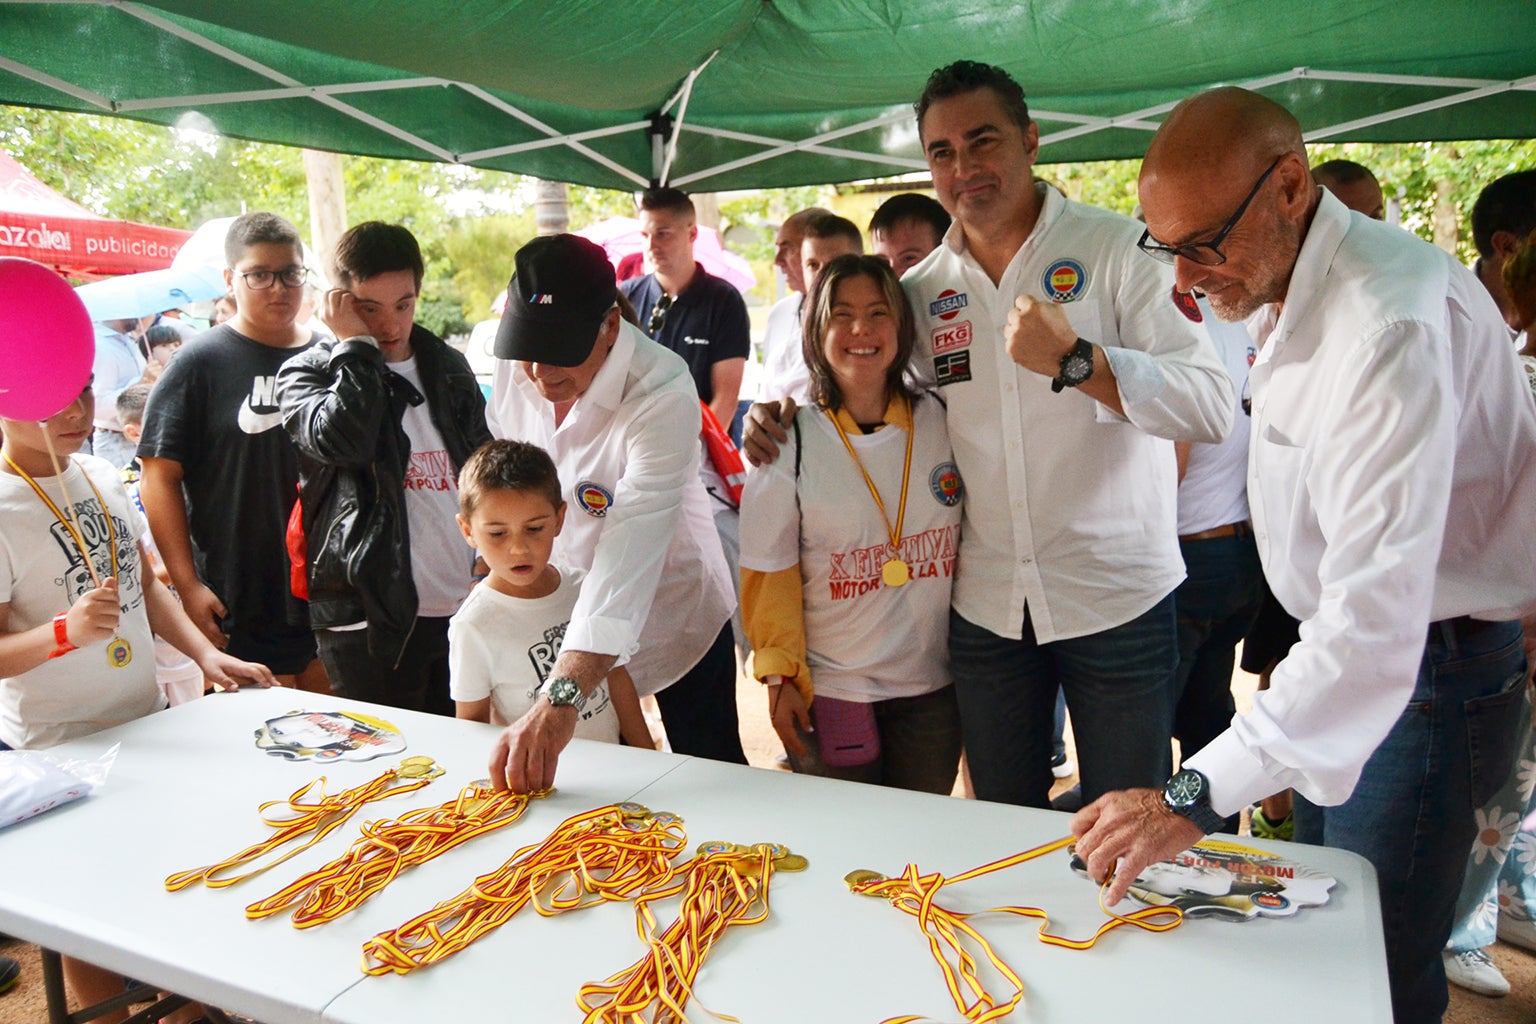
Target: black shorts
column 1271, row 636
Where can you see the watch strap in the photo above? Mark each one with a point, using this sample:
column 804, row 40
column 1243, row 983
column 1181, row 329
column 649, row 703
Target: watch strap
column 1081, row 351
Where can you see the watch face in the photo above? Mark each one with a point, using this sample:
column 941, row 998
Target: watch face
column 1185, row 788
column 564, row 692
column 1077, row 369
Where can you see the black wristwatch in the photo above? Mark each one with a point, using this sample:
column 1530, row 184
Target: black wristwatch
column 1076, row 366
column 1188, row 794
column 563, row 692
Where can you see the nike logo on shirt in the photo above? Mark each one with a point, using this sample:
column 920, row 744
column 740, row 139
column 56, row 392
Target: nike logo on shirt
column 264, row 392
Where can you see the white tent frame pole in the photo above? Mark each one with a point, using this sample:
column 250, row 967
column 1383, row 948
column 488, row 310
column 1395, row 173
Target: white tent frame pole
column 565, row 140
column 1527, row 83
column 291, row 92
column 555, row 140
column 256, row 66
column 1137, row 118
column 680, row 98
column 67, row 88
column 811, row 145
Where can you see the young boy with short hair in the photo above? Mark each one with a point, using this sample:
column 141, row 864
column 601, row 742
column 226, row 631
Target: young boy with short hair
column 77, row 656
column 504, row 638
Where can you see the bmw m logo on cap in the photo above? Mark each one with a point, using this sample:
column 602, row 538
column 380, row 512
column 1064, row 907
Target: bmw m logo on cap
column 595, row 499
column 1064, row 281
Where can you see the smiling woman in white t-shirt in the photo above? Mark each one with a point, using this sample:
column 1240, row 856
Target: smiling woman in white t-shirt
column 848, row 550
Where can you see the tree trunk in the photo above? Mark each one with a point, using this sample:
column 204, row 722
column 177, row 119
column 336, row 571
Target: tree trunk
column 1447, row 223
column 327, row 204
column 552, row 212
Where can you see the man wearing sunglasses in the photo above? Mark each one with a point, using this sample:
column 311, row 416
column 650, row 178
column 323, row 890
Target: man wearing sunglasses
column 219, row 471
column 689, row 310
column 1391, row 475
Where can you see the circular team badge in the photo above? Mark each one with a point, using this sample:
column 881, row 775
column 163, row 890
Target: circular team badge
column 1064, row 281
column 595, row 499
column 945, row 483
column 1270, row 900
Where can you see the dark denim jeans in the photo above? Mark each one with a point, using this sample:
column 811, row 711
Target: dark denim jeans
column 1216, row 604
column 1119, row 688
column 1411, row 814
column 699, row 710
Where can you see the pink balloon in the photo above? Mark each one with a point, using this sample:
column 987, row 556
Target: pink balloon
column 47, row 343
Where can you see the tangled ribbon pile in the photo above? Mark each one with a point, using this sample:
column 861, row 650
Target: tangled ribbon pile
column 614, row 852
column 316, row 819
column 913, row 893
column 723, row 886
column 389, row 847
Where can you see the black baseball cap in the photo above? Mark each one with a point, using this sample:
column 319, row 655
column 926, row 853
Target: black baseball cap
column 561, row 289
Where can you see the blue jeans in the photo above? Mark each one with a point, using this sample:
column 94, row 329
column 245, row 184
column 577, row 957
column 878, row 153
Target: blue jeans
column 1119, row 688
column 1501, row 872
column 112, row 446
column 1216, row 605
column 1411, row 814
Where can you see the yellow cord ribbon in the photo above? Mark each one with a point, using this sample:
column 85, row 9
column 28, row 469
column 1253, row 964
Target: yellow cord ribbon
column 914, row 894
column 389, row 847
column 724, row 886
column 613, row 852
column 316, row 819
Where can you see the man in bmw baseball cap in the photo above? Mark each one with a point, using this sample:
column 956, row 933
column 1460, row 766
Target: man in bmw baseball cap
column 620, row 416
column 561, row 290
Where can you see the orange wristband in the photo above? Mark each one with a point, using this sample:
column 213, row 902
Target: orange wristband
column 60, row 637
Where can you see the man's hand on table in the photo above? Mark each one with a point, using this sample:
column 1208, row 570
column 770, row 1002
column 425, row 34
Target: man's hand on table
column 765, row 427
column 1133, row 827
column 527, row 751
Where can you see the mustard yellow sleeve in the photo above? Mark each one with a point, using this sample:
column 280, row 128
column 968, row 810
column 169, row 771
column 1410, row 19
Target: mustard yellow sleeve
column 773, row 615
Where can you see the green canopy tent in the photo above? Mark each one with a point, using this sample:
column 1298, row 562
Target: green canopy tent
column 716, row 94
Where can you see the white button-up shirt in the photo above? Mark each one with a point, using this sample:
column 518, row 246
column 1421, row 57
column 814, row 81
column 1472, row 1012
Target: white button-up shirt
column 1070, row 508
column 784, row 370
column 119, row 364
column 1392, row 478
column 637, row 518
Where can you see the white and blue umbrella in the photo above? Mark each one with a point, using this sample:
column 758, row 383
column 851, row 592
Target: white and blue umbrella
column 154, row 291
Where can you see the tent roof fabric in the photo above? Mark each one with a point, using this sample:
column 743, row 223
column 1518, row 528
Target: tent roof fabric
column 716, row 94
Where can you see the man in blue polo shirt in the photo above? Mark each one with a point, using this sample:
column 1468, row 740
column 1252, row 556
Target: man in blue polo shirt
column 695, row 314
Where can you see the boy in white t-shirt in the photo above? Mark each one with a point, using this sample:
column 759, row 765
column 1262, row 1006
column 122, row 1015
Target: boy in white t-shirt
column 504, row 639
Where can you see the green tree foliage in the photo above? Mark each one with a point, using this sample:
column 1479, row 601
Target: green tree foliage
column 480, row 250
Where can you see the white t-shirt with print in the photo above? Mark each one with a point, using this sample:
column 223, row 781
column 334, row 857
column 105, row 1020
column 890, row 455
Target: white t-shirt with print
column 504, row 647
column 865, row 641
column 42, row 573
column 441, row 563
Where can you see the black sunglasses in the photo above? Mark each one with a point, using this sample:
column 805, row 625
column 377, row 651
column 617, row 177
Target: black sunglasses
column 1207, row 254
column 658, row 314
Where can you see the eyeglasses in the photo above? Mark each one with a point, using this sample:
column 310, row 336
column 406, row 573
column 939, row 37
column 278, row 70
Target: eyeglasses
column 1207, row 254
column 261, row 280
column 658, row 314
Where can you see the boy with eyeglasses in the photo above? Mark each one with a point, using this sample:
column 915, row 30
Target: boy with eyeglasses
column 220, row 474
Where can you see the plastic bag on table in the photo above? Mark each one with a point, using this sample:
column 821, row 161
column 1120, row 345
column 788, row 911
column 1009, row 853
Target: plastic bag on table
column 34, row 781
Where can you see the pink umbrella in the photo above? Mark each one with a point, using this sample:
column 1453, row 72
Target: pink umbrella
column 620, row 239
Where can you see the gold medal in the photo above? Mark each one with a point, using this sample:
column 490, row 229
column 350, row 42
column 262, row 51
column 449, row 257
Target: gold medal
column 119, row 652
column 895, row 572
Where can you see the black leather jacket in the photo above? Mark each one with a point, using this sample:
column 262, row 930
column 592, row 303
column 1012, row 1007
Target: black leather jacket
column 343, row 408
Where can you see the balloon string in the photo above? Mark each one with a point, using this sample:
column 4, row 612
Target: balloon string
column 946, row 930
column 388, row 848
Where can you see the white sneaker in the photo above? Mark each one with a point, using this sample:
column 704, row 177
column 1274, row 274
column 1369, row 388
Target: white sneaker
column 1062, row 768
column 1475, row 972
column 1517, row 932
